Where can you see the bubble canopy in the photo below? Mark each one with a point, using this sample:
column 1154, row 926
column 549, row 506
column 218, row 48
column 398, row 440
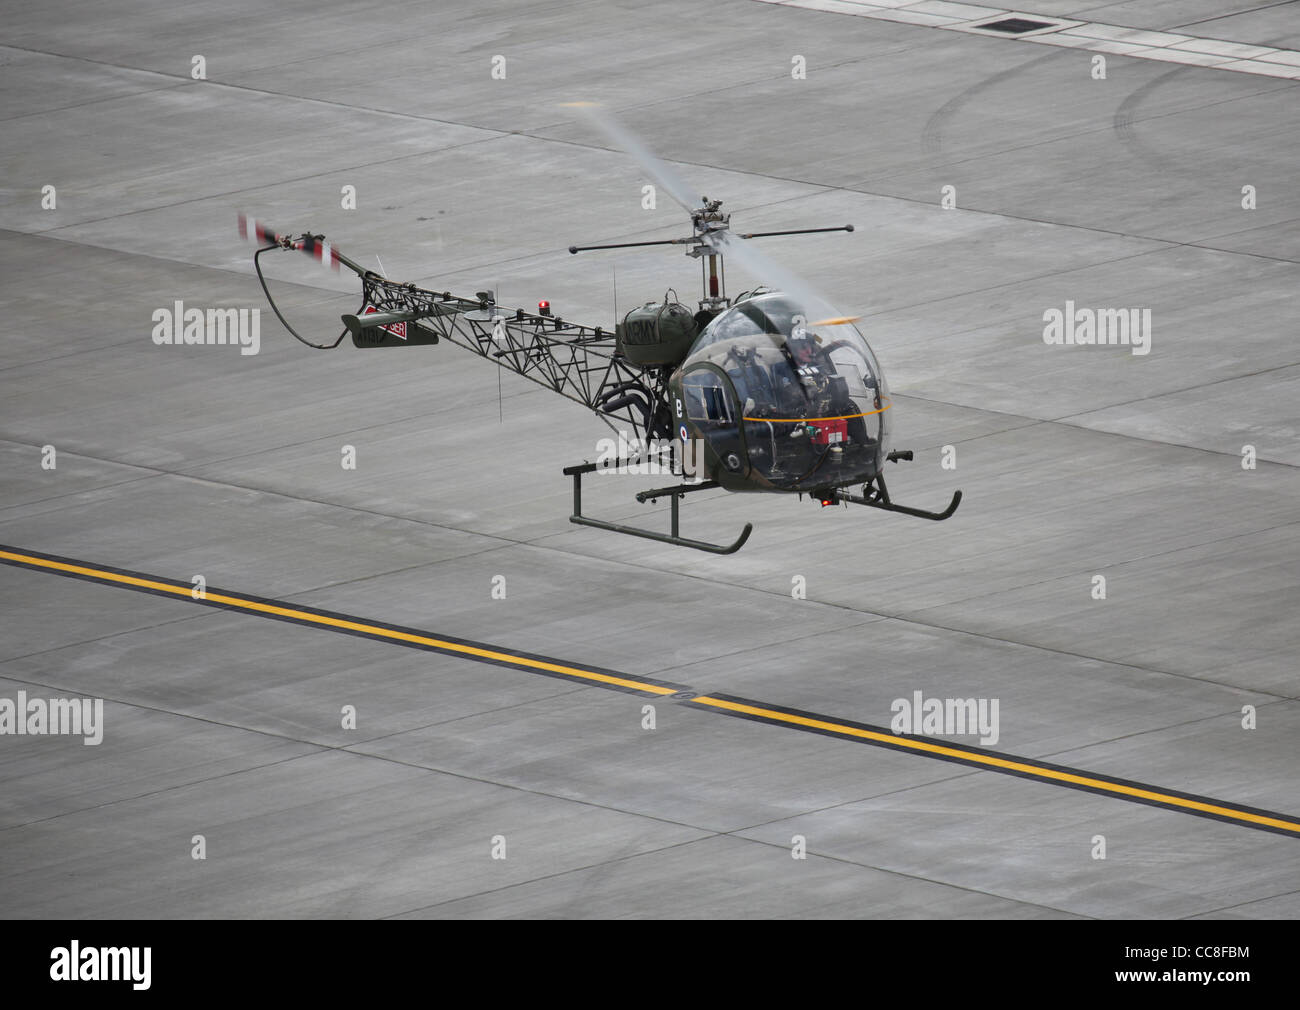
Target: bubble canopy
column 799, row 403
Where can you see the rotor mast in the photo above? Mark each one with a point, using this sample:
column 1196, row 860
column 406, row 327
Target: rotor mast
column 707, row 220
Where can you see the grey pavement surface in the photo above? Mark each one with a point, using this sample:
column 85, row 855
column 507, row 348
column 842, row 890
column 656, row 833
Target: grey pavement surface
column 1075, row 462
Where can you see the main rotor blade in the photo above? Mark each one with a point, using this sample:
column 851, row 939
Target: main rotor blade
column 766, row 270
column 763, row 267
column 676, row 187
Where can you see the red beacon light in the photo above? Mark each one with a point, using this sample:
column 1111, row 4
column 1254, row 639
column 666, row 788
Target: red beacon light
column 543, row 308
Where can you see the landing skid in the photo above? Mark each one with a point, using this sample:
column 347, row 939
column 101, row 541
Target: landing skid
column 875, row 494
column 672, row 493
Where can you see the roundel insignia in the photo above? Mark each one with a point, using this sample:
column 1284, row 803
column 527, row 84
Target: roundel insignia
column 686, row 437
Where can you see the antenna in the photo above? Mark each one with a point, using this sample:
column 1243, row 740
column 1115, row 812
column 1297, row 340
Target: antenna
column 496, row 300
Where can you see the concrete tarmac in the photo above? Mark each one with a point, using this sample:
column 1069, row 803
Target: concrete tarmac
column 1163, row 186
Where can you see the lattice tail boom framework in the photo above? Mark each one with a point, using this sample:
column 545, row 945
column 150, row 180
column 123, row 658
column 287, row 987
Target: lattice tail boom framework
column 578, row 362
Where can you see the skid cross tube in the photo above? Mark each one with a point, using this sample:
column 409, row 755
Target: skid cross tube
column 674, row 493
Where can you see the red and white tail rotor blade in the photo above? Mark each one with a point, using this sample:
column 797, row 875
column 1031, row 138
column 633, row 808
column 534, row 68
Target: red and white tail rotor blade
column 250, row 227
column 325, row 254
column 313, row 245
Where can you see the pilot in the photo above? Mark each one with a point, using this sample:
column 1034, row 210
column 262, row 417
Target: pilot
column 807, row 349
column 821, row 378
column 812, row 362
column 803, row 347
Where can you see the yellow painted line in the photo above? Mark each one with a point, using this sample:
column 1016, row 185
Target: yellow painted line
column 997, row 762
column 891, row 740
column 795, row 420
column 305, row 617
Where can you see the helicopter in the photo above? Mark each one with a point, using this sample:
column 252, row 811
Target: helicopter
column 772, row 391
